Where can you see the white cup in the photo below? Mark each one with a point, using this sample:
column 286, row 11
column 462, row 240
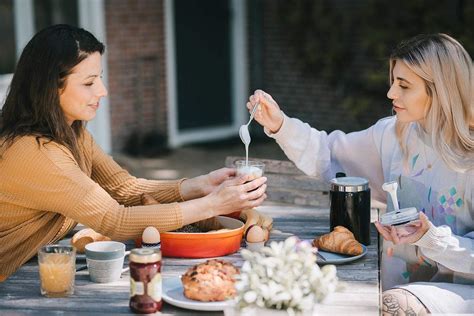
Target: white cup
column 105, row 260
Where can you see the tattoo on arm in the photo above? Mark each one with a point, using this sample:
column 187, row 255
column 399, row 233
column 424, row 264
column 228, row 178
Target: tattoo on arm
column 399, row 302
column 391, row 306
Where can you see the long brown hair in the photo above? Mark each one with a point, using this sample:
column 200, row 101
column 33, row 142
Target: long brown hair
column 32, row 105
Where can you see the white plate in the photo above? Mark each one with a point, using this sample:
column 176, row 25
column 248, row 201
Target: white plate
column 173, row 294
column 325, row 257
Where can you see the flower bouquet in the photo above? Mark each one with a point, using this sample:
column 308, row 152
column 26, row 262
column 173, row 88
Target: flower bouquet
column 283, row 276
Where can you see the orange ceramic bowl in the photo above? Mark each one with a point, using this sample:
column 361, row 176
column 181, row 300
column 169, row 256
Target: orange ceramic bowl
column 204, row 245
column 235, row 215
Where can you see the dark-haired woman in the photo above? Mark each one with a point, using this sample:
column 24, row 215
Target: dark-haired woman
column 54, row 175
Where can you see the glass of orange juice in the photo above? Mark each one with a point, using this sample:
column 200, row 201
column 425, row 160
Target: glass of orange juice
column 57, row 269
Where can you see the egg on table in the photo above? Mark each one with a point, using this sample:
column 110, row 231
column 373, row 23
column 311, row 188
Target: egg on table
column 255, row 233
column 150, row 237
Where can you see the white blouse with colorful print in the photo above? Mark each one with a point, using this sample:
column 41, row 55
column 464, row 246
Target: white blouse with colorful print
column 446, row 252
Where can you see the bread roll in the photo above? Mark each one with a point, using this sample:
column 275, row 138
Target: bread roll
column 210, row 281
column 86, row 236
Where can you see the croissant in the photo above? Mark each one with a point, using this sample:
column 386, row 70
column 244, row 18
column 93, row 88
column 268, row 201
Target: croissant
column 340, row 240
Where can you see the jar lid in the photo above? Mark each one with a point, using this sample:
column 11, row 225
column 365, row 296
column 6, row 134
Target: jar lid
column 349, row 184
column 403, row 216
column 145, row 255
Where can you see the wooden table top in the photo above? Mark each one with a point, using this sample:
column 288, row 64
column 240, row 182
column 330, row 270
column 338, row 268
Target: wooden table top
column 20, row 294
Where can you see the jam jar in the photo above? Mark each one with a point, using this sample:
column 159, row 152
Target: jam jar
column 145, row 280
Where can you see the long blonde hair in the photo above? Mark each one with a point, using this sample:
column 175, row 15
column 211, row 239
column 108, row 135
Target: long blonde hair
column 446, row 68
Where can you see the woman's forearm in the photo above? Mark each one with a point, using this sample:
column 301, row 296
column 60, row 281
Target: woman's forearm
column 196, row 210
column 232, row 195
column 192, row 188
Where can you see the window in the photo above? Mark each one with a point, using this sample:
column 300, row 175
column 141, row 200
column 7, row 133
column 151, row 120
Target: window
column 7, row 43
column 49, row 12
column 45, row 13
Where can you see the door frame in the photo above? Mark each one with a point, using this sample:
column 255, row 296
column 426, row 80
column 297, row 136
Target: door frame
column 91, row 16
column 239, row 82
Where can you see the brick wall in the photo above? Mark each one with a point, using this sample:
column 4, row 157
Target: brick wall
column 137, row 74
column 136, row 60
column 299, row 95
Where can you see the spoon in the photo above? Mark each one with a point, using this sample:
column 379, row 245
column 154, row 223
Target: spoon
column 244, row 129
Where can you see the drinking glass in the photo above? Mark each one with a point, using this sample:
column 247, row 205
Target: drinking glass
column 57, row 269
column 252, row 167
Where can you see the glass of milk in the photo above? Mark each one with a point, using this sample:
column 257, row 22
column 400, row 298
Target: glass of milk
column 252, row 167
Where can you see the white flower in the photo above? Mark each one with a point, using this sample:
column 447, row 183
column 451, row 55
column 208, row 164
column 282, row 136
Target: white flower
column 250, row 297
column 284, row 276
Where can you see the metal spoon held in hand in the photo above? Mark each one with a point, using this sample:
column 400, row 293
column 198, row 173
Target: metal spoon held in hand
column 244, row 129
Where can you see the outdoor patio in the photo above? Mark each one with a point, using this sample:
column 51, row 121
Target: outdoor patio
column 193, row 160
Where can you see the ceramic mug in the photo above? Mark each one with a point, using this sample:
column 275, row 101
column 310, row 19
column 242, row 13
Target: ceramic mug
column 105, row 260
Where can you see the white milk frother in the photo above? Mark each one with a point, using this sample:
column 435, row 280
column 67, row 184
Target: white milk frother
column 398, row 216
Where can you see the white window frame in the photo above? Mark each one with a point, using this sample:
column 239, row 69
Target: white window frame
column 239, row 89
column 92, row 18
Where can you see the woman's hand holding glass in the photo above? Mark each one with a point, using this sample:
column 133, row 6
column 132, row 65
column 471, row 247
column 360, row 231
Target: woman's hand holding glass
column 203, row 185
column 405, row 234
column 215, row 178
column 238, row 194
column 268, row 114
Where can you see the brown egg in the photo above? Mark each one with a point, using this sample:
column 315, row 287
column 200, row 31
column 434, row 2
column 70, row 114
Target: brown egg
column 266, row 234
column 151, row 235
column 255, row 234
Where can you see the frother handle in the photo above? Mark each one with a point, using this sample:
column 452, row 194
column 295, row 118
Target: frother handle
column 393, row 195
column 391, row 188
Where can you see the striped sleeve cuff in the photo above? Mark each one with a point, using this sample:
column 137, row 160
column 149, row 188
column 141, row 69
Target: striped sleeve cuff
column 282, row 129
column 433, row 239
column 181, row 198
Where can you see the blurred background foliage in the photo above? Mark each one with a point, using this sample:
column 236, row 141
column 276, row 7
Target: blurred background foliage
column 347, row 44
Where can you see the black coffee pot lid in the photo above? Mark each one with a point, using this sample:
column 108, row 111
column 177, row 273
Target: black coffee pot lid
column 349, row 184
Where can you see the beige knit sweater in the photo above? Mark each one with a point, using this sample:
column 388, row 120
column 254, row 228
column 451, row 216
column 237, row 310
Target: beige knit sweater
column 44, row 193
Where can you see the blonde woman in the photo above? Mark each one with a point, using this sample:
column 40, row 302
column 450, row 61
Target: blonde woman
column 428, row 147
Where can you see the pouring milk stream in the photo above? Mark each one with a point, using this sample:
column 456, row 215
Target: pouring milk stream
column 245, row 135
